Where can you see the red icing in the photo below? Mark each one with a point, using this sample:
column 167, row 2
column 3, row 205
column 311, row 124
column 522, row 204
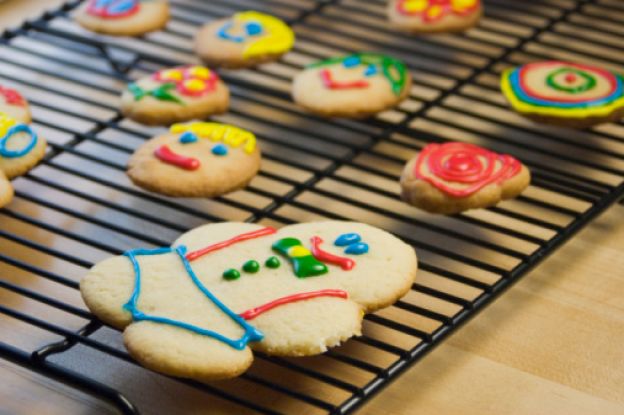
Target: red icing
column 537, row 94
column 446, row 7
column 256, row 311
column 346, row 264
column 92, row 9
column 330, row 83
column 463, row 163
column 224, row 244
column 166, row 155
column 210, row 83
column 12, row 97
column 570, row 78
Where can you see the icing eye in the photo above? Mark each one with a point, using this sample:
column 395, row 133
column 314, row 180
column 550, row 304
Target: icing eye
column 347, row 239
column 219, row 150
column 351, row 61
column 357, row 248
column 370, row 70
column 253, row 28
column 187, row 138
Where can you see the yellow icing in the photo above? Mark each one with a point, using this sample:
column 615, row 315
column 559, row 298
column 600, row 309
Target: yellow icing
column 298, row 251
column 461, row 6
column 415, row 6
column 6, row 122
column 199, row 72
column 230, row 135
column 195, row 84
column 172, row 74
column 279, row 38
column 527, row 108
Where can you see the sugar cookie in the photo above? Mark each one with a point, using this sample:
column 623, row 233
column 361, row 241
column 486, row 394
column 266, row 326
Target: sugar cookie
column 355, row 86
column 453, row 177
column 123, row 17
column 197, row 309
column 13, row 104
column 431, row 16
column 243, row 40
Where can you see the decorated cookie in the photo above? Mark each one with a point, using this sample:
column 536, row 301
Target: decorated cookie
column 563, row 93
column 430, row 16
column 20, row 150
column 243, row 40
column 124, row 17
column 194, row 310
column 199, row 159
column 356, row 85
column 174, row 95
column 453, row 177
column 13, row 104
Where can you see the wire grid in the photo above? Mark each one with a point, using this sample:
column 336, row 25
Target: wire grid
column 77, row 207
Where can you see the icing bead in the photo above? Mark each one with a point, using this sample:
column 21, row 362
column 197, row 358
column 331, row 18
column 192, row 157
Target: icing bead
column 347, row 239
column 272, row 262
column 219, row 150
column 231, row 274
column 357, row 248
column 253, row 28
column 302, row 260
column 188, row 137
column 251, row 266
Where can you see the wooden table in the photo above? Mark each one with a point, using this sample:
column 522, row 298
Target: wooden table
column 552, row 345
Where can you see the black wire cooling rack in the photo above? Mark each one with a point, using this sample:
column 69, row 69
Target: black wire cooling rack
column 77, row 207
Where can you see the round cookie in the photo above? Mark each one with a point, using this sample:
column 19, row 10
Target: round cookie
column 174, row 95
column 123, row 17
column 354, row 86
column 564, row 93
column 14, row 105
column 243, row 40
column 20, row 150
column 197, row 309
column 434, row 16
column 200, row 159
column 452, row 177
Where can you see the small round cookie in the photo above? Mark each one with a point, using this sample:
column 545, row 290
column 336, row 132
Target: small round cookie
column 352, row 86
column 564, row 93
column 243, row 40
column 20, row 149
column 14, row 105
column 123, row 17
column 199, row 159
column 434, row 16
column 452, row 177
column 175, row 95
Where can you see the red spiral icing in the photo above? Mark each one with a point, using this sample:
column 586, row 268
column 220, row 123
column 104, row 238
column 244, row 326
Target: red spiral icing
column 12, row 97
column 166, row 155
column 466, row 164
column 330, row 83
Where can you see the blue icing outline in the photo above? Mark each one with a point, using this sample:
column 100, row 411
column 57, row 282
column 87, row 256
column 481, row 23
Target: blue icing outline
column 514, row 80
column 252, row 334
column 19, row 128
column 252, row 28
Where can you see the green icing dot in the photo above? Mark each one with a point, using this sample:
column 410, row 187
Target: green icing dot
column 251, row 266
column 272, row 262
column 231, row 274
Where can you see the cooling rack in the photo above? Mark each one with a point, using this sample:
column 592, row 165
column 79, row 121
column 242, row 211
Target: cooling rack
column 77, row 207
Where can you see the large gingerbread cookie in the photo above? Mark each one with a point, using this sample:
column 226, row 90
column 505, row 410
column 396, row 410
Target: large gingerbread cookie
column 198, row 308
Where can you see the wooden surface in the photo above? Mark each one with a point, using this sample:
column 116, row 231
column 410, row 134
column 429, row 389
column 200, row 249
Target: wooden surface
column 552, row 345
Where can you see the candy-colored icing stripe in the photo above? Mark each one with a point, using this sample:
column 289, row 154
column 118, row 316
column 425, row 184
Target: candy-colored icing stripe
column 346, row 264
column 113, row 9
column 166, row 155
column 303, row 262
column 251, row 334
column 229, row 134
column 191, row 256
column 432, row 11
column 330, row 83
column 256, row 311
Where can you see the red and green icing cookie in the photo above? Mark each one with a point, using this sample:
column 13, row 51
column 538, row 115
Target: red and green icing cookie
column 431, row 11
column 189, row 80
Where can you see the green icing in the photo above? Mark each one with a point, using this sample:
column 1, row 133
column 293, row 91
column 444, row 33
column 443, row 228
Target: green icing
column 590, row 81
column 251, row 266
column 162, row 93
column 302, row 260
column 231, row 274
column 272, row 262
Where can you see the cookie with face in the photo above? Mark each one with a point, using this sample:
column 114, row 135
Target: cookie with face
column 432, row 16
column 357, row 85
column 243, row 40
column 20, row 149
column 198, row 308
column 174, row 95
column 453, row 177
column 199, row 159
column 123, row 17
column 565, row 93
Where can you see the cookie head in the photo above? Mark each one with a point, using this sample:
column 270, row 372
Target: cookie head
column 199, row 159
column 452, row 177
column 429, row 16
column 565, row 93
column 123, row 17
column 175, row 95
column 13, row 104
column 244, row 39
column 355, row 85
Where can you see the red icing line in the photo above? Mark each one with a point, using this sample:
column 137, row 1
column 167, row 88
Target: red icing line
column 326, row 76
column 256, row 311
column 224, row 244
column 466, row 164
column 166, row 155
column 12, row 97
column 536, row 94
column 345, row 263
column 103, row 11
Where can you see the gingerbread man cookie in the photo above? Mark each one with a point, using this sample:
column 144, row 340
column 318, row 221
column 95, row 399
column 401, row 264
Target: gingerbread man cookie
column 453, row 177
column 123, row 17
column 175, row 95
column 243, row 40
column 565, row 93
column 198, row 308
column 199, row 159
column 431, row 16
column 355, row 86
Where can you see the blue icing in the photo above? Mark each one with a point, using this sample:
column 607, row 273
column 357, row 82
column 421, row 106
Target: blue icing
column 219, row 150
column 370, row 70
column 253, row 28
column 188, row 137
column 16, row 129
column 358, row 248
column 347, row 239
column 116, row 6
column 224, row 34
column 351, row 61
column 252, row 334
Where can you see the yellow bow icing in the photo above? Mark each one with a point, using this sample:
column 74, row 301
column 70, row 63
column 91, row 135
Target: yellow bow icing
column 279, row 38
column 230, row 135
